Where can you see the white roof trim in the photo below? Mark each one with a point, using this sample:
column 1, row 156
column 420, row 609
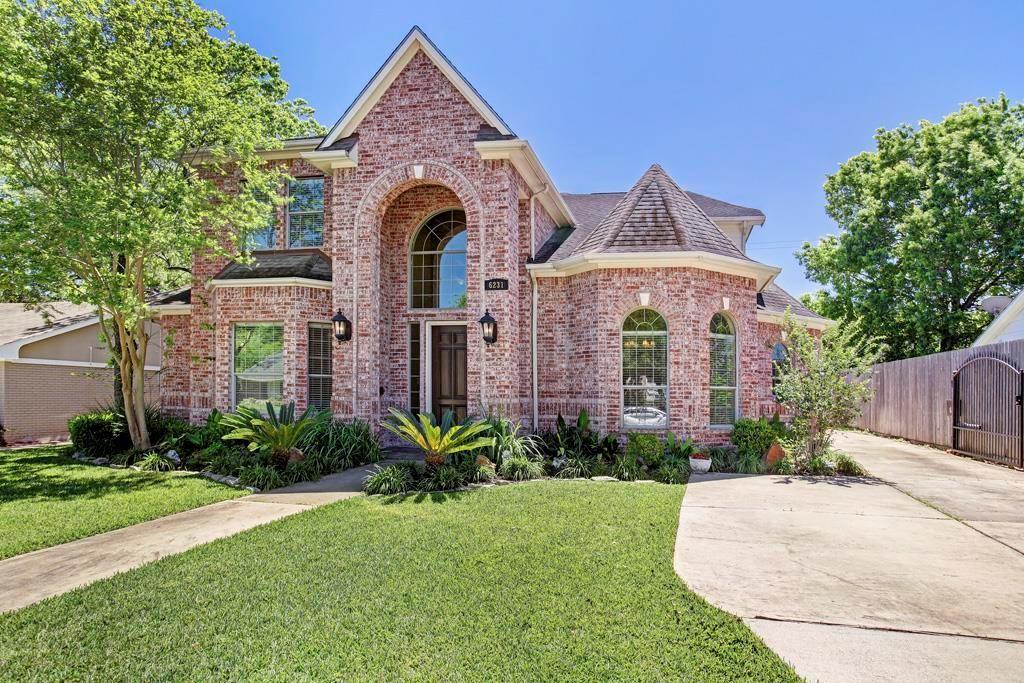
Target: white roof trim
column 807, row 321
column 1001, row 322
column 703, row 260
column 413, row 42
column 271, row 282
column 327, row 161
column 11, row 349
column 171, row 309
column 525, row 161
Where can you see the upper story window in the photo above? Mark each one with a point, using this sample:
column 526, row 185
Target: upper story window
column 645, row 370
column 306, row 212
column 264, row 237
column 723, row 371
column 438, row 262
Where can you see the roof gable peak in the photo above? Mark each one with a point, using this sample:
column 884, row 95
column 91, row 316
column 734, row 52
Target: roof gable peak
column 415, row 41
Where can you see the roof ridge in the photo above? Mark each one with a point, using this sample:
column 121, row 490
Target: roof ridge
column 682, row 238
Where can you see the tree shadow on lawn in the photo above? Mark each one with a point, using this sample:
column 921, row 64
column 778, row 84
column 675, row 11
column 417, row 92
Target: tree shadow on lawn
column 417, row 497
column 36, row 477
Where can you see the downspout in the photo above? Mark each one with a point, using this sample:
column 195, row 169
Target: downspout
column 534, row 298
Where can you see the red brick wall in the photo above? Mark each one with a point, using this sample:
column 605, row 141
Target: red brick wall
column 580, row 320
column 176, row 365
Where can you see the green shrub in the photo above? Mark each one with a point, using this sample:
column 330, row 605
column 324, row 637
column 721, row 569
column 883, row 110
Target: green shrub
column 672, row 473
column 678, row 450
column 645, row 448
column 335, row 445
column 784, row 465
column 443, row 478
column 575, row 440
column 723, row 458
column 441, row 442
column 753, row 438
column 99, row 433
column 847, row 465
column 300, row 470
column 389, row 480
column 156, row 462
column 626, row 468
column 577, row 468
column 521, row 468
column 278, row 432
column 262, row 477
column 821, row 465
column 509, row 440
column 225, row 458
column 748, row 462
column 480, row 470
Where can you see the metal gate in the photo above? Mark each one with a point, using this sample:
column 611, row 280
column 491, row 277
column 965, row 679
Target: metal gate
column 988, row 409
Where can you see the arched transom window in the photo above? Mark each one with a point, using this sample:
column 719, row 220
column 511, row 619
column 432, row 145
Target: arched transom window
column 438, row 262
column 723, row 370
column 645, row 370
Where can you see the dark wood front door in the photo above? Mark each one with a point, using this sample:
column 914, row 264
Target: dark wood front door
column 448, row 363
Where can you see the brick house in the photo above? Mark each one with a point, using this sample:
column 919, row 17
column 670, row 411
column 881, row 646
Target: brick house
column 419, row 212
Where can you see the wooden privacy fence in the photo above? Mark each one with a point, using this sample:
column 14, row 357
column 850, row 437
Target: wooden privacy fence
column 913, row 399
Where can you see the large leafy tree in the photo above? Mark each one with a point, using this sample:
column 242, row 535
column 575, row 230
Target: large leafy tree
column 115, row 117
column 930, row 223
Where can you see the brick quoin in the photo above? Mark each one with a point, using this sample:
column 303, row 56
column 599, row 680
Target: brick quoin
column 416, row 156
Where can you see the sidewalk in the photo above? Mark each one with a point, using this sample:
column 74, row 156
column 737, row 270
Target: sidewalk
column 44, row 573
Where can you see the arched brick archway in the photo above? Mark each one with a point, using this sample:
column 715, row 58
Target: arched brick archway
column 379, row 358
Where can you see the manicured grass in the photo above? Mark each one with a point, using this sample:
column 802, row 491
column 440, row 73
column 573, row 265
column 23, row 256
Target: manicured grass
column 47, row 498
column 542, row 581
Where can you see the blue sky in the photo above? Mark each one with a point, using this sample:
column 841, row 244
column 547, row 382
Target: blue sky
column 751, row 102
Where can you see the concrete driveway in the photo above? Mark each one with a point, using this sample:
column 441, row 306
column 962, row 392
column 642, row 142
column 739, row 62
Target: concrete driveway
column 852, row 579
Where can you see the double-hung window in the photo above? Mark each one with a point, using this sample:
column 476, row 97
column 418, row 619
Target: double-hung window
column 258, row 364
column 306, row 212
column 645, row 370
column 723, row 371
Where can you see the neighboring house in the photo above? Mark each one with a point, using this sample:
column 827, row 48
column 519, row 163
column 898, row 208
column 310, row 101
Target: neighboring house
column 1008, row 324
column 53, row 367
column 419, row 213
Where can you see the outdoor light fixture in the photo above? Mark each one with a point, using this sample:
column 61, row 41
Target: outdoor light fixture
column 342, row 327
column 489, row 328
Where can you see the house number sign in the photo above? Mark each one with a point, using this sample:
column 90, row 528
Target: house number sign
column 497, row 284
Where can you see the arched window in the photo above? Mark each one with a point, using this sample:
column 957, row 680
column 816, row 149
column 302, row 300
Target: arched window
column 438, row 262
column 645, row 370
column 780, row 360
column 723, row 370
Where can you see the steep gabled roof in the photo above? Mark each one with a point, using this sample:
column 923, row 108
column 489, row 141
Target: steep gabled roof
column 415, row 41
column 655, row 215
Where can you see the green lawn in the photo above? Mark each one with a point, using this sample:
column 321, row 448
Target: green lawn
column 47, row 498
column 550, row 581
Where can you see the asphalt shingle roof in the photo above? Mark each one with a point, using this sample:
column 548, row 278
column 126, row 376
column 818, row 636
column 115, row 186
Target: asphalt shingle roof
column 17, row 323
column 655, row 215
column 776, row 299
column 308, row 263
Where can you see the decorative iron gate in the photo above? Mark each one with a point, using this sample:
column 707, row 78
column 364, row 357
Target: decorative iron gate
column 988, row 410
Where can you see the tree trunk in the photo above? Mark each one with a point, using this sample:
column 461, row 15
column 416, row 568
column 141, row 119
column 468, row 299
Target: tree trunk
column 131, row 363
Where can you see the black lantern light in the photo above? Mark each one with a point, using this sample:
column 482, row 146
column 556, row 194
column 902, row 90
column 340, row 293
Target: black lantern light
column 489, row 328
column 342, row 327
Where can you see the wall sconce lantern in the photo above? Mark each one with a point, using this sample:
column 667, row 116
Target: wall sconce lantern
column 342, row 327
column 489, row 328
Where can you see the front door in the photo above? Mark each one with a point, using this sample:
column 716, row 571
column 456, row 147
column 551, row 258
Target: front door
column 448, row 363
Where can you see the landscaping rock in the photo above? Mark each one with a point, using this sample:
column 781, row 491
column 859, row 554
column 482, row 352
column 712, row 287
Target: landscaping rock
column 646, row 481
column 775, row 453
column 174, row 457
column 101, row 461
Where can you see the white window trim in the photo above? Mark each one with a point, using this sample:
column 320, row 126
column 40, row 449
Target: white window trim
column 288, row 214
column 668, row 373
column 257, row 323
column 735, row 336
column 410, row 253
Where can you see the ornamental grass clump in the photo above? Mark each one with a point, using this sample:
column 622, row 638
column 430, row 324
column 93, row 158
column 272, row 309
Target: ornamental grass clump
column 389, row 481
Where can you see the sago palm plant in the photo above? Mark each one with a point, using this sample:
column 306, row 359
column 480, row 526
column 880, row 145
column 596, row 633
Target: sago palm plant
column 277, row 432
column 437, row 441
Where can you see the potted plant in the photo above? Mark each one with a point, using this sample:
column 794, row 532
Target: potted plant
column 700, row 462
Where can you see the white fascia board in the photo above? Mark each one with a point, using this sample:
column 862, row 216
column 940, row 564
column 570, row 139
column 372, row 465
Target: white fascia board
column 1001, row 322
column 271, row 282
column 171, row 309
column 329, row 160
column 69, row 363
column 524, row 159
column 289, row 149
column 414, row 42
column 777, row 318
column 703, row 260
column 10, row 350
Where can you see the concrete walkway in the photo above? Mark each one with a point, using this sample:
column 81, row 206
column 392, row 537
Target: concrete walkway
column 34, row 576
column 850, row 579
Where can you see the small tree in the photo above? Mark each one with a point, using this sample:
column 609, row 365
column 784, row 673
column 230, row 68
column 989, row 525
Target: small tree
column 116, row 117
column 824, row 382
